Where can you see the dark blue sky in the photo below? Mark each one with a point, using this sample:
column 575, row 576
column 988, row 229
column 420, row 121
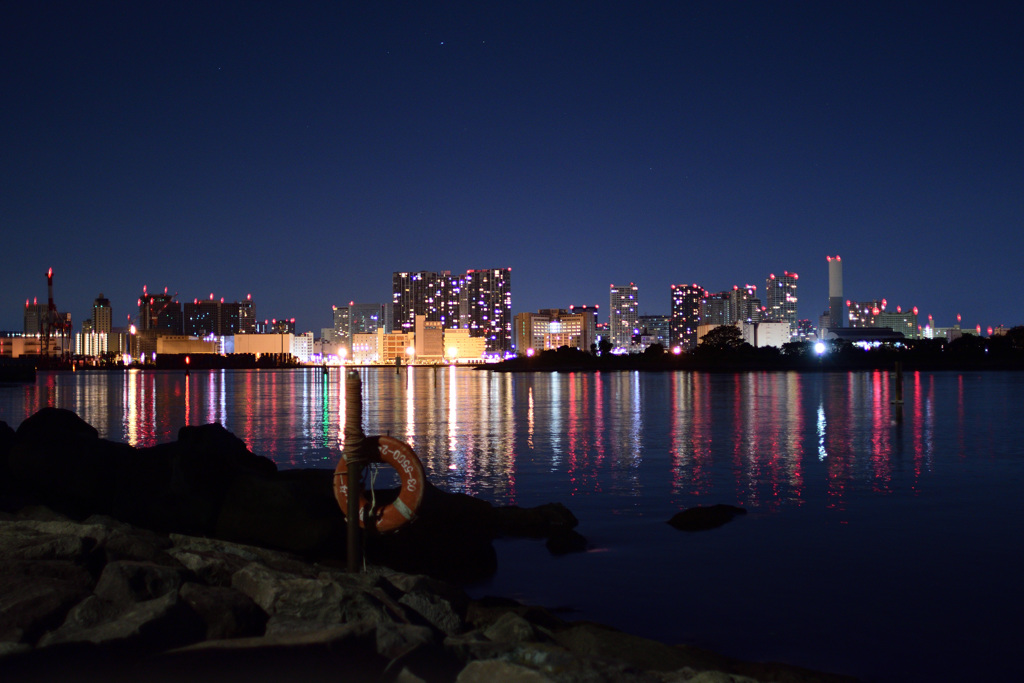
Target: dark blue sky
column 303, row 153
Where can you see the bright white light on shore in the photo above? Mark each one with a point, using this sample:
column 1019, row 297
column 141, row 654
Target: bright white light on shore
column 819, row 348
column 529, row 353
column 677, row 350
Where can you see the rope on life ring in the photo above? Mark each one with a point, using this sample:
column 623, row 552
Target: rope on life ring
column 402, row 510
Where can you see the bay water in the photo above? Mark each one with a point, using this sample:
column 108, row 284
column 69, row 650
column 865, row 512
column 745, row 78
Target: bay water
column 885, row 547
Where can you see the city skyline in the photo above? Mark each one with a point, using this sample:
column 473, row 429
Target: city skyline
column 301, row 154
column 136, row 313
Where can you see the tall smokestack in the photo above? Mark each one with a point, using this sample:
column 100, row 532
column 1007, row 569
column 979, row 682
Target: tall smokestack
column 835, row 292
column 49, row 288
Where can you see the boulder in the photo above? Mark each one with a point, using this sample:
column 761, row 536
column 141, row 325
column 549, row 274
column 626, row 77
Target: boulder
column 511, row 628
column 7, row 438
column 60, row 460
column 36, row 595
column 292, row 510
column 539, row 521
column 304, row 603
column 705, row 518
column 565, row 541
column 226, row 612
column 126, row 582
column 149, row 625
column 487, row 671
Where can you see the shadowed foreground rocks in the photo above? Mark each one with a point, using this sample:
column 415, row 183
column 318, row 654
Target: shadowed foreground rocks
column 101, row 600
column 207, row 483
column 199, row 561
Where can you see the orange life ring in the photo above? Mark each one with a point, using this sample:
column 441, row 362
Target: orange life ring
column 403, row 509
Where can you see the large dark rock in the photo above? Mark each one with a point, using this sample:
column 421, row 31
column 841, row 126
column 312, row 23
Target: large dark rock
column 705, row 518
column 60, row 460
column 151, row 625
column 227, row 613
column 125, row 582
column 541, row 521
column 293, row 510
column 35, row 596
column 451, row 539
column 50, row 423
column 7, row 438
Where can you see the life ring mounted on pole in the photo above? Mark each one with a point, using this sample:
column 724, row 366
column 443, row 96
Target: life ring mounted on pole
column 402, row 510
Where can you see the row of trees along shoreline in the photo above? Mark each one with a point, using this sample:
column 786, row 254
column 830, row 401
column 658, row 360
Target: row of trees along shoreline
column 723, row 349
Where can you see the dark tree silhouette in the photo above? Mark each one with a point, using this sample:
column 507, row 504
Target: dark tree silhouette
column 722, row 339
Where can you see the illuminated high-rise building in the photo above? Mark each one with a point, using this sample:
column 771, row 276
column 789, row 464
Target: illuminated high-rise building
column 654, row 329
column 202, row 317
column 366, row 318
column 426, row 293
column 876, row 313
column 622, row 315
column 160, row 312
column 588, row 325
column 102, row 316
column 744, row 305
column 686, row 315
column 552, row 328
column 780, row 299
column 35, row 317
column 246, row 317
column 479, row 301
column 102, row 322
column 485, row 307
column 714, row 309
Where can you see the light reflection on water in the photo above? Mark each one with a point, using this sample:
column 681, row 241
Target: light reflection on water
column 870, row 545
column 752, row 437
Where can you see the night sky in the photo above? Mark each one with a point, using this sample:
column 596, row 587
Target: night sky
column 302, row 152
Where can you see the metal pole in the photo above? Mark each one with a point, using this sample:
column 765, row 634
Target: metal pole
column 353, row 458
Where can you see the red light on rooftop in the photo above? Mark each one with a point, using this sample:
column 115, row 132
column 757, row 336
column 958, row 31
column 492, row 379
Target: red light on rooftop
column 847, row 302
column 958, row 317
column 875, row 311
column 211, row 296
column 899, row 310
column 49, row 273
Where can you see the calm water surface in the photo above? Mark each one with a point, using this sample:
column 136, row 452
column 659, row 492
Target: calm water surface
column 891, row 551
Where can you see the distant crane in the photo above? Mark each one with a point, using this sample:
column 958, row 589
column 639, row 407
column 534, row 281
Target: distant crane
column 54, row 326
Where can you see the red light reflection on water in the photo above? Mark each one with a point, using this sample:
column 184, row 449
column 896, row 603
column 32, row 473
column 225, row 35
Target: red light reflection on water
column 881, row 419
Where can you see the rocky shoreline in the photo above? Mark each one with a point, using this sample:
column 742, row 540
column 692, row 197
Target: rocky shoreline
column 198, row 561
